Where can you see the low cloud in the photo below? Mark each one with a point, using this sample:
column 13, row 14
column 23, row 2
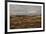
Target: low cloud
column 25, row 10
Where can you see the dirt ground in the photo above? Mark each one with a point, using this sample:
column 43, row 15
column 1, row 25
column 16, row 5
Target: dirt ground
column 19, row 22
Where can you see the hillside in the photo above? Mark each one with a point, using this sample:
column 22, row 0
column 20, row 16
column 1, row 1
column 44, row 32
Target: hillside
column 17, row 22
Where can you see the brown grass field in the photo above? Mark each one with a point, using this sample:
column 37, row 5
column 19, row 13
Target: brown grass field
column 20, row 22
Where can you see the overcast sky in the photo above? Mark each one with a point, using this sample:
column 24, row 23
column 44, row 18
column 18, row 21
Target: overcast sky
column 25, row 10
